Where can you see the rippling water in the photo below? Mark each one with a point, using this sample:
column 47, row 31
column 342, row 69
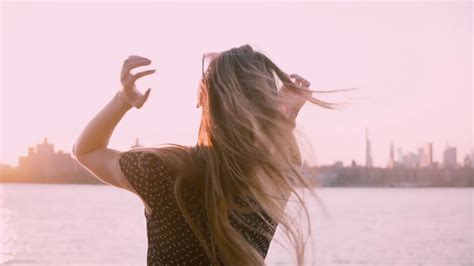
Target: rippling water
column 102, row 225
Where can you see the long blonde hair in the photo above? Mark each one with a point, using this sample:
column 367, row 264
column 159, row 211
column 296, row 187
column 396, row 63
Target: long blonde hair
column 246, row 159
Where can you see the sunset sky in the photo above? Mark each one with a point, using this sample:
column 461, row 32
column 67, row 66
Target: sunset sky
column 411, row 60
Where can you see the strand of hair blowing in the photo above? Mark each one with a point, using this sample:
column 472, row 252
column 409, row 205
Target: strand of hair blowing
column 246, row 151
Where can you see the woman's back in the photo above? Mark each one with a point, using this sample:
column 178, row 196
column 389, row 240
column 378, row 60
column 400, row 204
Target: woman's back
column 171, row 239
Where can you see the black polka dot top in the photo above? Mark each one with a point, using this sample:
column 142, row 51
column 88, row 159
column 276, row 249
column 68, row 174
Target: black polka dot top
column 171, row 240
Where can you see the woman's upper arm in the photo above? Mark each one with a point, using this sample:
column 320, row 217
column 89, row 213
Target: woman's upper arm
column 104, row 164
column 142, row 173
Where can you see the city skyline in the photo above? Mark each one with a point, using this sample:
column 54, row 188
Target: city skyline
column 423, row 157
column 414, row 75
column 368, row 153
column 44, row 165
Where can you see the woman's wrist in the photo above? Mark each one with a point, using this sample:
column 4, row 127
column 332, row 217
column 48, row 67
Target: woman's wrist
column 122, row 103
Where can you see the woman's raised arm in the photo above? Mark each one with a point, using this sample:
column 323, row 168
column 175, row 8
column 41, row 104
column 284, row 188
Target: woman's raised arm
column 97, row 133
column 90, row 148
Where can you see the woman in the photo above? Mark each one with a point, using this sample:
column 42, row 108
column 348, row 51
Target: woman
column 220, row 201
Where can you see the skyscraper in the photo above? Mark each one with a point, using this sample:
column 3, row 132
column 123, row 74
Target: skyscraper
column 472, row 158
column 449, row 157
column 368, row 155
column 427, row 159
column 391, row 159
column 400, row 155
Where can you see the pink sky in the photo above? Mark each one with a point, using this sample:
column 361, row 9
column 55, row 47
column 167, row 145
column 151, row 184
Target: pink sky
column 411, row 60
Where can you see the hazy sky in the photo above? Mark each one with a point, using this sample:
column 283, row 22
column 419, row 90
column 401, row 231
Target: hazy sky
column 411, row 60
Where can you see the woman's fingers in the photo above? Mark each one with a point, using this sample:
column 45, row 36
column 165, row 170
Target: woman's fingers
column 296, row 76
column 130, row 79
column 143, row 99
column 141, row 74
column 300, row 80
column 134, row 96
column 133, row 62
column 130, row 63
column 296, row 99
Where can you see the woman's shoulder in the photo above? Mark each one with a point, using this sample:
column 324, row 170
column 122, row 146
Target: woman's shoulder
column 185, row 160
column 167, row 153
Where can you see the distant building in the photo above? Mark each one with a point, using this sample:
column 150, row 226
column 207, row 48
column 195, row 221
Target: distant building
column 45, row 162
column 353, row 164
column 137, row 144
column 472, row 158
column 422, row 158
column 467, row 161
column 400, row 155
column 368, row 152
column 411, row 160
column 427, row 158
column 46, row 166
column 338, row 164
column 391, row 157
column 449, row 157
column 419, row 157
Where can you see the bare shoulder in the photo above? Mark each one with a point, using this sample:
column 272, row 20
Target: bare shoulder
column 103, row 164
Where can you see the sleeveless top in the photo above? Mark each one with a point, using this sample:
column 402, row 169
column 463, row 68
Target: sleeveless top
column 171, row 240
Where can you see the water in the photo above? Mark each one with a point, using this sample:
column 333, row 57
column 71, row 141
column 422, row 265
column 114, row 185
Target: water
column 102, row 225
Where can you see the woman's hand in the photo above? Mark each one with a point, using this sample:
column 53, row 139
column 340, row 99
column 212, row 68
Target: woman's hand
column 295, row 100
column 129, row 90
